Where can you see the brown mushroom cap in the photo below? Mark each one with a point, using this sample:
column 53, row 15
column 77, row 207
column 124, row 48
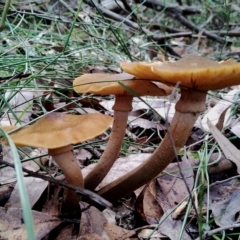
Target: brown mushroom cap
column 192, row 71
column 57, row 130
column 107, row 84
column 141, row 69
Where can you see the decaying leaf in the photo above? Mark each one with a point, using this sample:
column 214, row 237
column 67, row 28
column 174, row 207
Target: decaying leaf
column 21, row 104
column 215, row 113
column 95, row 226
column 165, row 192
column 172, row 228
column 154, row 235
column 35, row 188
column 172, row 187
column 225, row 211
column 229, row 150
column 224, row 202
column 7, row 174
column 140, row 122
column 147, row 206
column 120, row 167
column 13, row 228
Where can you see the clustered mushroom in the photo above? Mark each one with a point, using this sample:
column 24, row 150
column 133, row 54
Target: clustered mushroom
column 196, row 76
column 106, row 84
column 57, row 132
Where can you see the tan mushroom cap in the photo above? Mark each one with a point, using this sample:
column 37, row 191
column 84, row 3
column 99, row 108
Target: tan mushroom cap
column 57, row 130
column 141, row 70
column 193, row 72
column 107, row 84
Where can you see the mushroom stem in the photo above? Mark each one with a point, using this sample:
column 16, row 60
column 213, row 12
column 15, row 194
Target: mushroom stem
column 122, row 106
column 73, row 175
column 179, row 130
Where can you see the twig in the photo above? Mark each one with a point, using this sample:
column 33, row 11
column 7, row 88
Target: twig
column 223, row 181
column 124, row 20
column 93, row 196
column 216, row 230
column 177, row 14
column 17, row 75
column 129, row 10
column 157, row 5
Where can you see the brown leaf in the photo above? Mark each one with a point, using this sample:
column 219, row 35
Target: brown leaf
column 120, row 167
column 172, row 228
column 12, row 226
column 223, row 201
column 140, row 122
column 165, row 192
column 225, row 211
column 92, row 224
column 229, row 150
column 147, row 206
column 65, row 232
column 95, row 226
column 172, row 188
column 35, row 188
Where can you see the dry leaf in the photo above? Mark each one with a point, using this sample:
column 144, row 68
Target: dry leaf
column 225, row 211
column 142, row 123
column 229, row 150
column 35, row 188
column 165, row 192
column 172, row 228
column 218, row 110
column 95, row 226
column 146, row 233
column 21, row 104
column 222, row 195
column 120, row 167
column 147, row 206
column 236, row 129
column 172, row 188
column 65, row 232
column 13, row 228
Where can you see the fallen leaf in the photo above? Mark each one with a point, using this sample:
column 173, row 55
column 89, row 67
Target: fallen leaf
column 21, row 105
column 147, row 205
column 140, row 122
column 218, row 110
column 165, row 192
column 225, row 211
column 172, row 187
column 146, row 233
column 229, row 150
column 35, row 188
column 172, row 228
column 65, row 232
column 82, row 154
column 95, row 226
column 120, row 167
column 13, row 228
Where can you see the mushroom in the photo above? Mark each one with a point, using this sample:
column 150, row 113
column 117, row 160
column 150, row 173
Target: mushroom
column 196, row 76
column 57, row 132
column 106, row 84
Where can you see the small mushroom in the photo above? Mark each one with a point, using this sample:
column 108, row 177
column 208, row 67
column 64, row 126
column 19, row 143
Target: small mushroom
column 106, row 84
column 196, row 76
column 57, row 132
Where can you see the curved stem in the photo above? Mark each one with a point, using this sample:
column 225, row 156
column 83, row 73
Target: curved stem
column 123, row 104
column 180, row 128
column 73, row 175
